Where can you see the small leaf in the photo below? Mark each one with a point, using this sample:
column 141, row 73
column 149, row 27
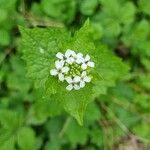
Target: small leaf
column 59, row 9
column 73, row 136
column 127, row 13
column 26, row 139
column 88, row 7
column 144, row 6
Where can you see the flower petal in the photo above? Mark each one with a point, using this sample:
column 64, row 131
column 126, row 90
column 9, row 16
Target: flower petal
column 59, row 64
column 87, row 79
column 69, row 87
column 61, row 77
column 65, row 69
column 69, row 79
column 59, row 55
column 87, row 57
column 91, row 64
column 69, row 53
column 79, row 55
column 84, row 66
column 83, row 74
column 76, row 87
column 76, row 79
column 70, row 60
column 53, row 72
column 79, row 60
column 82, row 84
column 74, row 54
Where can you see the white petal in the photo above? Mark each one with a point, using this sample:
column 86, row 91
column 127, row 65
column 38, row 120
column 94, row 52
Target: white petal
column 87, row 79
column 87, row 58
column 69, row 79
column 61, row 77
column 76, row 79
column 65, row 69
column 83, row 74
column 70, row 60
column 83, row 66
column 59, row 55
column 74, row 54
column 76, row 87
column 53, row 72
column 59, row 64
column 79, row 55
column 69, row 53
column 79, row 60
column 82, row 84
column 69, row 87
column 91, row 64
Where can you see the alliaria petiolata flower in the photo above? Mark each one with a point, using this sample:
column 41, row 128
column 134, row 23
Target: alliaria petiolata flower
column 73, row 68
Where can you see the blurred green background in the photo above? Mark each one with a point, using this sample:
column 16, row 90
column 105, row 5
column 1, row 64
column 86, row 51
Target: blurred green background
column 119, row 120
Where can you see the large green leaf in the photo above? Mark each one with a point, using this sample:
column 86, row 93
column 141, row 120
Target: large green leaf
column 39, row 49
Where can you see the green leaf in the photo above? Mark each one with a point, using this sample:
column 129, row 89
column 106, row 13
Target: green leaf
column 111, row 26
column 141, row 30
column 9, row 128
column 111, row 7
column 127, row 13
column 73, row 136
column 43, row 108
column 143, row 131
column 17, row 79
column 97, row 30
column 107, row 69
column 112, row 17
column 110, row 68
column 144, row 48
column 137, row 34
column 92, row 113
column 4, row 14
column 5, row 37
column 60, row 9
column 97, row 136
column 52, row 145
column 39, row 47
column 145, row 61
column 55, row 128
column 8, row 14
column 9, row 144
column 75, row 102
column 144, row 81
column 26, row 139
column 144, row 6
column 88, row 7
column 142, row 102
column 9, row 5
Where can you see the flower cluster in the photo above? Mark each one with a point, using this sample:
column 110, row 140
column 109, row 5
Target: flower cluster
column 73, row 68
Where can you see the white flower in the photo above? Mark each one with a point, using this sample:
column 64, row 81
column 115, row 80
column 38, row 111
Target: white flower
column 60, row 70
column 84, row 78
column 69, row 53
column 87, row 63
column 65, row 57
column 77, row 58
column 72, row 67
column 73, row 83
